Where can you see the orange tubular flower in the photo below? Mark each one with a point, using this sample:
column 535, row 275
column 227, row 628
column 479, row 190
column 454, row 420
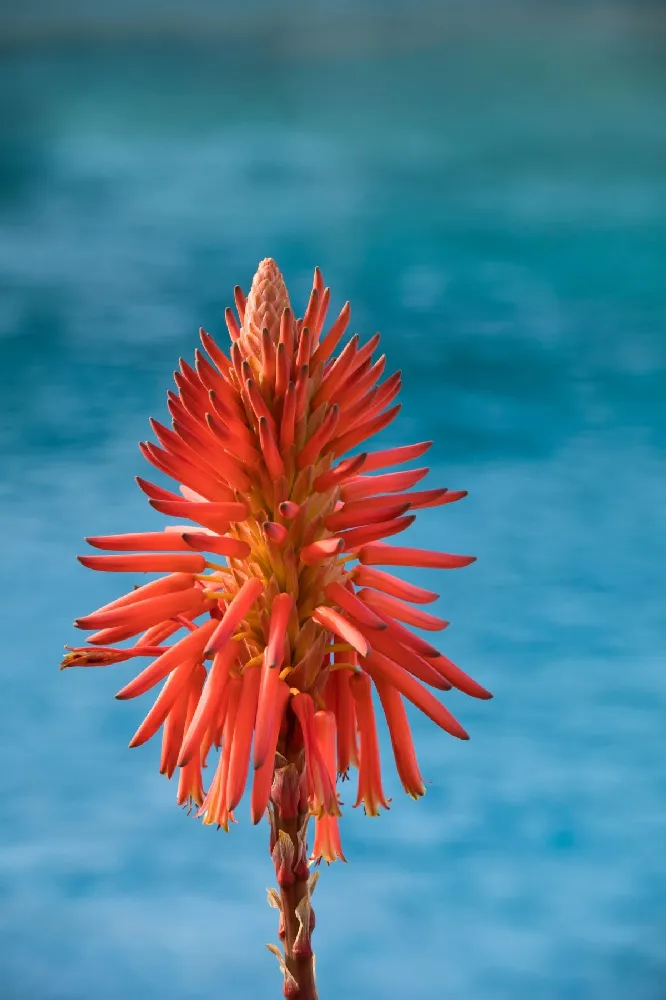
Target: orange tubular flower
column 288, row 626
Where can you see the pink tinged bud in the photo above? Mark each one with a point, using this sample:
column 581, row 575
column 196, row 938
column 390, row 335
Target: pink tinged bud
column 263, row 775
column 387, row 643
column 142, row 614
column 404, row 637
column 214, row 378
column 209, row 707
column 350, row 603
column 364, row 486
column 281, row 609
column 155, row 492
column 365, row 430
column 267, row 358
column 403, row 612
column 185, row 472
column 388, row 584
column 320, row 551
column 358, row 385
column 288, row 419
column 337, row 372
column 432, row 498
column 188, row 375
column 109, row 636
column 370, row 791
column 228, row 407
column 378, row 665
column 276, row 533
column 389, row 555
column 239, row 450
column 365, row 354
column 258, row 403
column 318, row 443
column 312, row 309
column 221, row 545
column 232, row 324
column 282, row 371
column 239, row 760
column 356, row 537
column 241, row 301
column 235, row 613
column 237, row 362
column 158, row 633
column 323, row 312
column 153, row 541
column 459, row 678
column 365, row 512
column 304, row 345
column 354, row 416
column 401, row 739
column 288, row 331
column 203, row 446
column 384, row 395
column 215, row 354
column 334, row 622
column 370, row 404
column 414, row 500
column 222, row 512
column 191, row 646
column 269, row 448
column 343, row 471
column 302, row 385
column 157, row 563
column 180, row 508
column 289, row 510
column 332, row 338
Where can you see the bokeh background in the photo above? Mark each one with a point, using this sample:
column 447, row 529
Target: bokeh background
column 487, row 185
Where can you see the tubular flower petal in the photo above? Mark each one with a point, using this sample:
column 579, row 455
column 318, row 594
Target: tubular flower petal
column 327, row 846
column 370, row 791
column 281, row 623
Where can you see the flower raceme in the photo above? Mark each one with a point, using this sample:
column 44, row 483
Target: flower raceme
column 289, row 624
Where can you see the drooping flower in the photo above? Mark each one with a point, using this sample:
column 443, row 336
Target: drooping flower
column 287, row 624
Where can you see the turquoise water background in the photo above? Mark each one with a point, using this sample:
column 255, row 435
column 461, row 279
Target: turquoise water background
column 495, row 205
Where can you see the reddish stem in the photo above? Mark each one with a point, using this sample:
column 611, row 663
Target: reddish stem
column 289, row 823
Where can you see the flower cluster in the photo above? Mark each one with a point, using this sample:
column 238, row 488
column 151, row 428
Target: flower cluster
column 286, row 622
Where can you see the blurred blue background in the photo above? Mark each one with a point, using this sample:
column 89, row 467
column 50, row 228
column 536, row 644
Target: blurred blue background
column 487, row 185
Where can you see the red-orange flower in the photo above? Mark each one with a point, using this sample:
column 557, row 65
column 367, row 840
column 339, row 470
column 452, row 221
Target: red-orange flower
column 290, row 616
